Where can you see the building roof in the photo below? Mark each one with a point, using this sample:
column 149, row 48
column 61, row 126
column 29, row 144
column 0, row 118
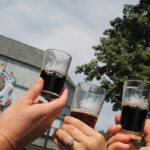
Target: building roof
column 23, row 53
column 20, row 51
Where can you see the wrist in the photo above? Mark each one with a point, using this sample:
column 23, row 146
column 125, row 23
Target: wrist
column 5, row 143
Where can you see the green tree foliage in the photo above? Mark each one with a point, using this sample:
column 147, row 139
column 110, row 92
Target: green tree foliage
column 123, row 52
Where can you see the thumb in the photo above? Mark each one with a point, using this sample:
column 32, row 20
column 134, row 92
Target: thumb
column 34, row 91
column 117, row 118
column 147, row 132
column 55, row 105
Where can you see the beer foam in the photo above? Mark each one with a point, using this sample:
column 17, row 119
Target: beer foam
column 133, row 96
column 135, row 105
column 91, row 105
column 83, row 111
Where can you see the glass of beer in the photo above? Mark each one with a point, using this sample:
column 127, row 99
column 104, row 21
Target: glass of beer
column 54, row 71
column 87, row 103
column 135, row 107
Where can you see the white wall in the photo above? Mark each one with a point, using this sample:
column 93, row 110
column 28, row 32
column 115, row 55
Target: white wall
column 25, row 76
column 17, row 93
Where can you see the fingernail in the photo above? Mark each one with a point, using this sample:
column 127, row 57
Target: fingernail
column 65, row 118
column 38, row 81
column 119, row 126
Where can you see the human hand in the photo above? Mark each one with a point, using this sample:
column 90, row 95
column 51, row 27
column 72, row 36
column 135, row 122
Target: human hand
column 117, row 141
column 114, row 140
column 146, row 132
column 85, row 137
column 27, row 118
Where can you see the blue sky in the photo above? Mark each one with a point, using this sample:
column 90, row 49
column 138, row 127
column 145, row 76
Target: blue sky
column 70, row 25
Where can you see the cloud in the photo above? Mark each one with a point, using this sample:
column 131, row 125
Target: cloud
column 106, row 117
column 71, row 25
column 50, row 25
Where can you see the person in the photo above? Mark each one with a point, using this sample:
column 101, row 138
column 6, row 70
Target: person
column 123, row 142
column 76, row 135
column 28, row 118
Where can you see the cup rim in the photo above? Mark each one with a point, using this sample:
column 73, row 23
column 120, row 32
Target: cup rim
column 92, row 85
column 137, row 81
column 52, row 49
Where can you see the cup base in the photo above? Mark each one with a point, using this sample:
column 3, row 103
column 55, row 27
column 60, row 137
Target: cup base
column 48, row 95
column 134, row 135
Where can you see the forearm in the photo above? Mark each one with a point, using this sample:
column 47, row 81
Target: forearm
column 5, row 144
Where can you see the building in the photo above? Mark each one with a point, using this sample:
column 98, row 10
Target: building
column 25, row 62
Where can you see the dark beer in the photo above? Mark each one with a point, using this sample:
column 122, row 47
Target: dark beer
column 133, row 117
column 87, row 117
column 53, row 84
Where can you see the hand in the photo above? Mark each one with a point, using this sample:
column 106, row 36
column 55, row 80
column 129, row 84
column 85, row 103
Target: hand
column 119, row 141
column 27, row 118
column 146, row 132
column 85, row 137
column 116, row 141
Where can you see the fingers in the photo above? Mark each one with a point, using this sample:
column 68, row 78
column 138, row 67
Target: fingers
column 147, row 132
column 119, row 141
column 62, row 135
column 54, row 106
column 59, row 144
column 87, row 130
column 119, row 146
column 34, row 90
column 57, row 103
column 93, row 142
column 119, row 138
column 60, row 138
column 37, row 101
column 113, row 130
column 117, row 118
column 133, row 145
column 74, row 133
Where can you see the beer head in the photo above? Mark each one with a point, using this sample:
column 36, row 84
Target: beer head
column 85, row 116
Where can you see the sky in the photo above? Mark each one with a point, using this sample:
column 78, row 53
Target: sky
column 70, row 25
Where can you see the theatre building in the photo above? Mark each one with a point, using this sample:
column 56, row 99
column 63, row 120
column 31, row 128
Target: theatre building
column 21, row 64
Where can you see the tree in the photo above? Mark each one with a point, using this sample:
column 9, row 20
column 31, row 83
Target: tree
column 123, row 52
